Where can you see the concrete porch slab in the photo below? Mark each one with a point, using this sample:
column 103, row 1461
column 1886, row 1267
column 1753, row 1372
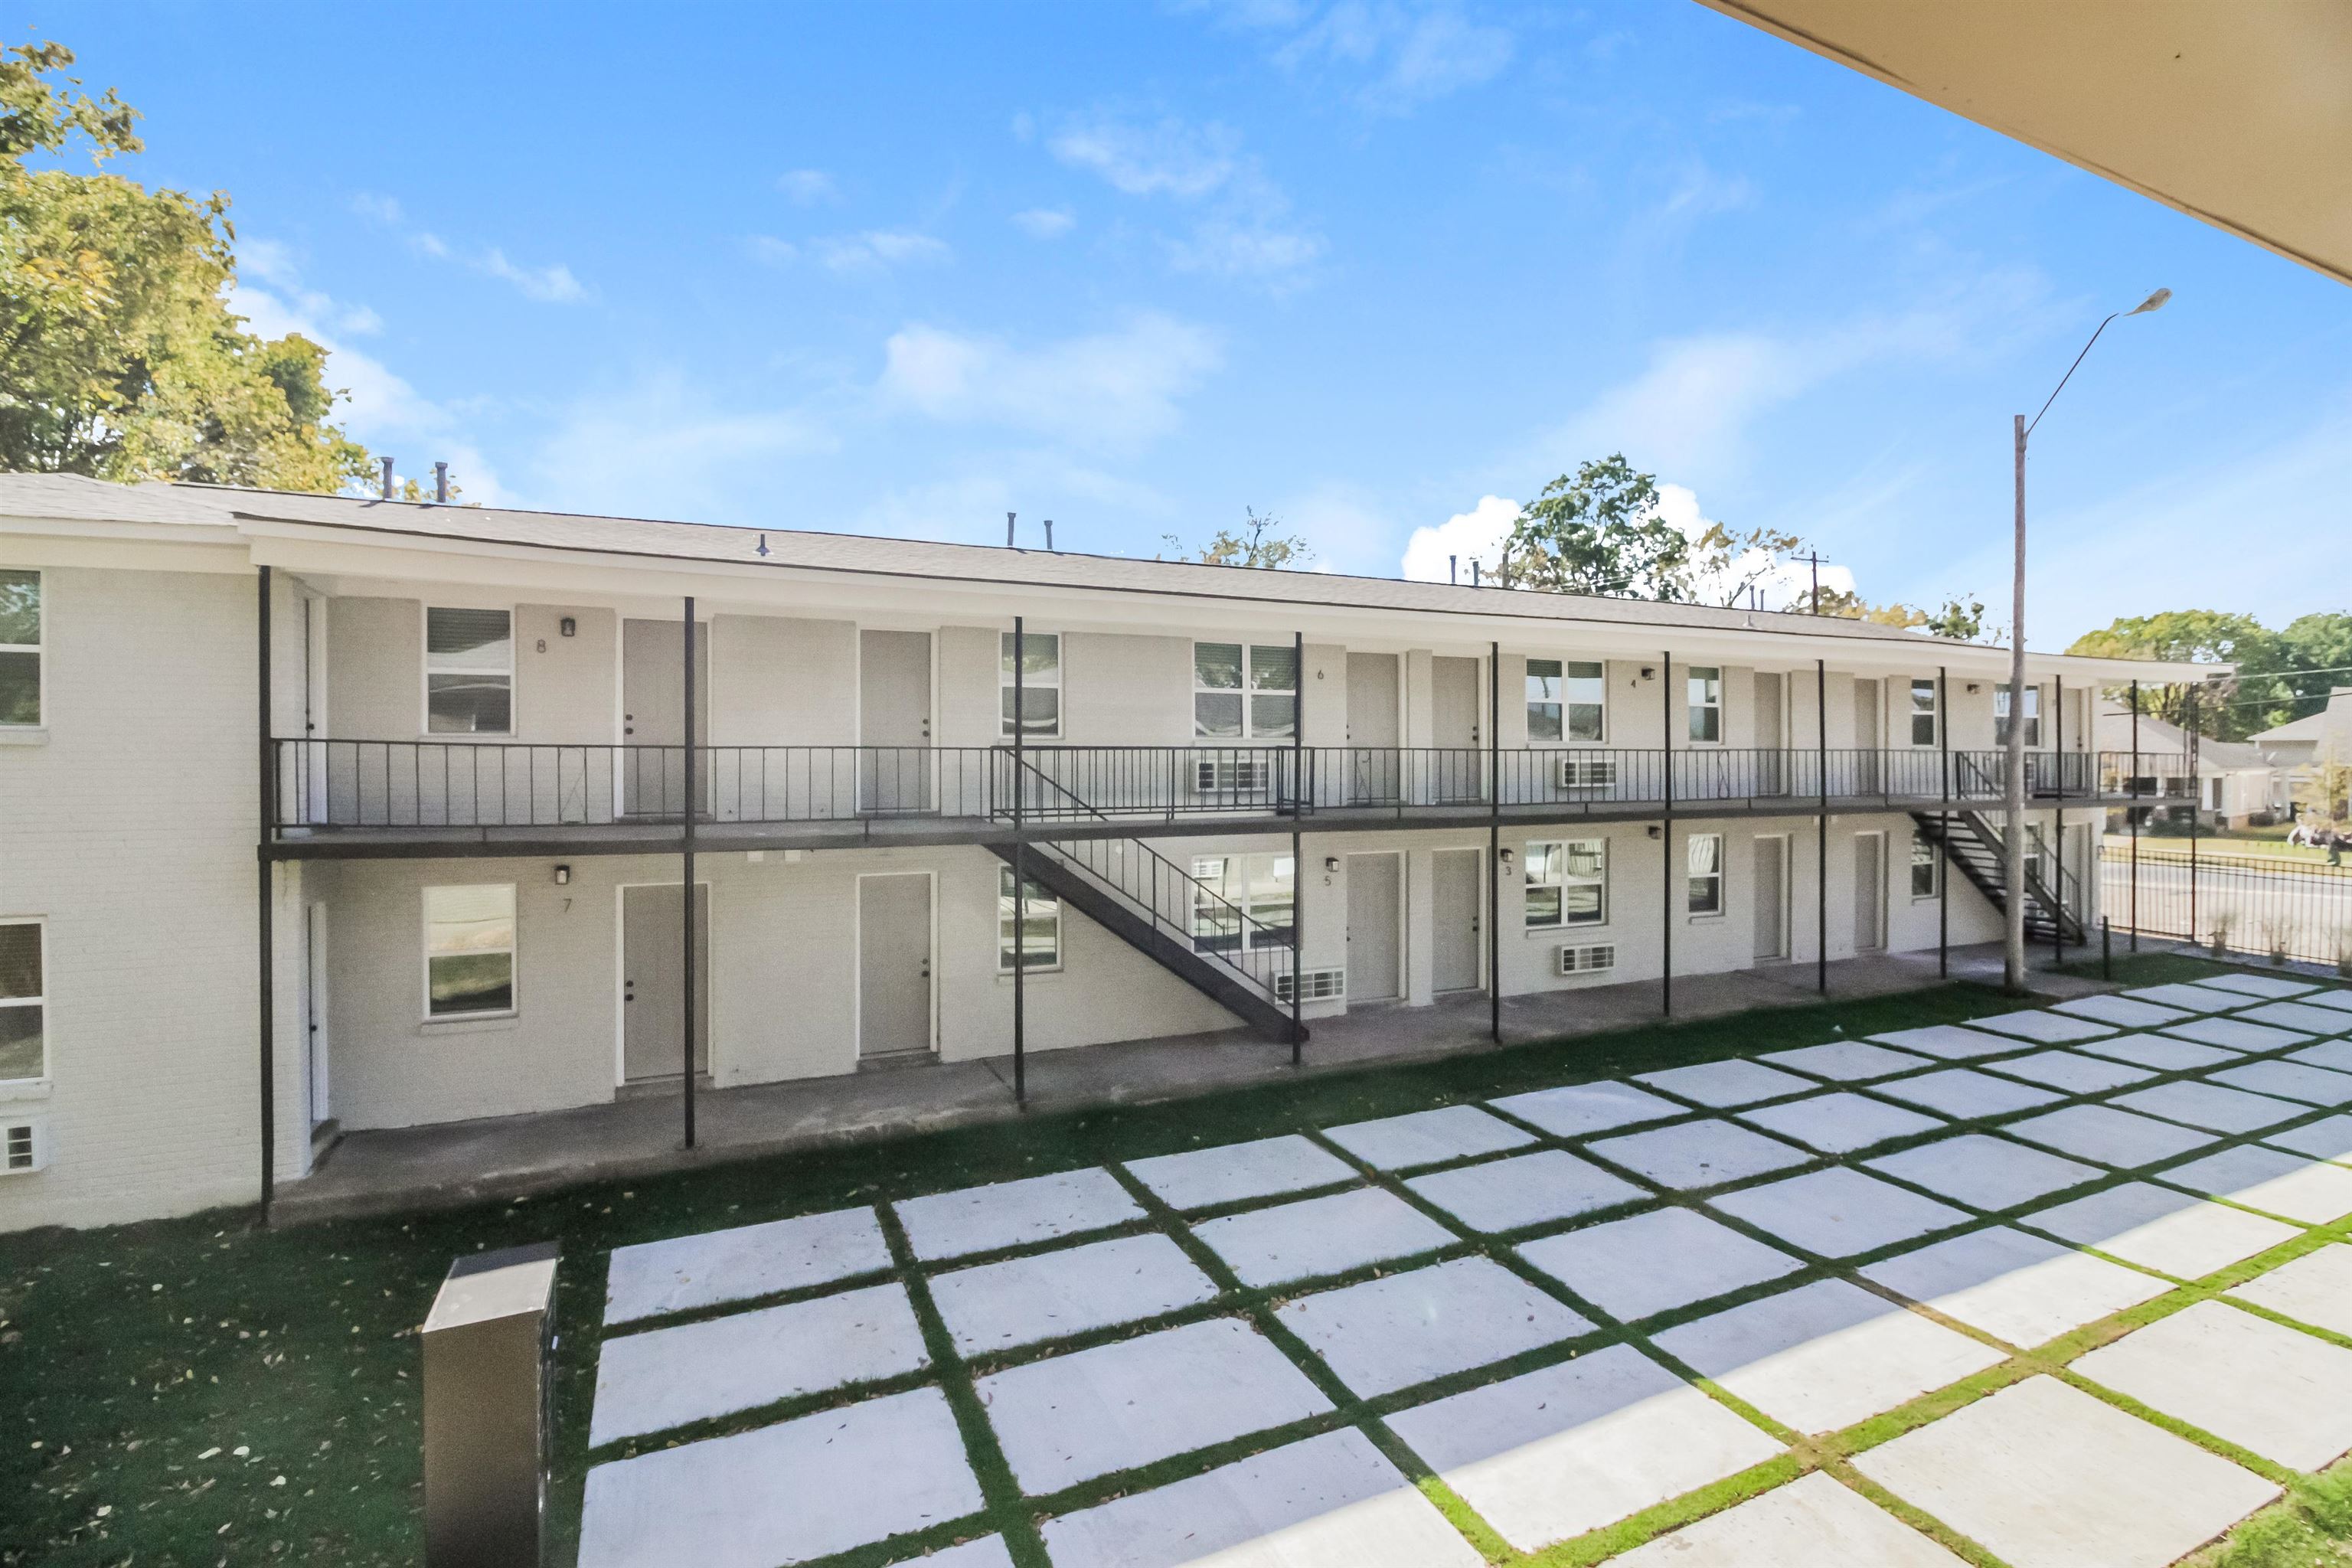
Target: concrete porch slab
column 1571, row 1447
column 2330, row 1138
column 1847, row 1062
column 689, row 1271
column 2047, row 1477
column 1967, row 1093
column 1391, row 1333
column 1314, row 1237
column 858, row 1475
column 1015, row 1213
column 2309, row 1191
column 2015, row 1287
column 2111, row 1137
column 1075, row 1417
column 1812, row 1522
column 2071, row 1072
column 1721, row 1085
column 1840, row 1123
column 2316, row 1289
column 1526, row 1189
column 2190, row 998
column 1052, row 1295
column 2211, row 1106
column 2161, row 1052
column 1650, row 1263
column 1579, row 1110
column 1427, row 1137
column 1698, row 1154
column 2292, row 1079
column 1950, row 1042
column 2236, row 1035
column 2123, row 1012
column 1329, row 1499
column 1984, row 1172
column 2043, row 1026
column 2261, row 985
column 2156, row 1227
column 1825, row 1355
column 667, row 1377
column 1232, row 1173
column 2300, row 1015
column 1838, row 1213
column 2272, row 1390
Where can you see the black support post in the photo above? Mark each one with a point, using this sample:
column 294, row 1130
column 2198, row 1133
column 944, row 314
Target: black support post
column 1297, row 862
column 1821, row 827
column 265, row 903
column 685, row 889
column 1944, row 829
column 1020, row 865
column 1494, row 841
column 2058, row 822
column 1666, row 844
column 2196, row 810
column 2131, row 816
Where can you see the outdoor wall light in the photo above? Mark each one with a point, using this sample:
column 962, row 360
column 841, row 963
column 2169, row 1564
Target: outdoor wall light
column 1649, row 672
column 1330, row 863
column 562, row 876
column 1655, row 830
column 1507, row 862
column 568, row 627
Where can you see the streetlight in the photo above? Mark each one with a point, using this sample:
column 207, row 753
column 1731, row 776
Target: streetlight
column 2013, row 801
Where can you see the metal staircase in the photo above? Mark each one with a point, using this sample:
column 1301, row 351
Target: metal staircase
column 1974, row 846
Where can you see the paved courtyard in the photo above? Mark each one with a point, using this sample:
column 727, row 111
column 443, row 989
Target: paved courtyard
column 1715, row 1313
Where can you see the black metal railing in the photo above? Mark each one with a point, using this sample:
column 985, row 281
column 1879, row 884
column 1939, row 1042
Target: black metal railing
column 2264, row 904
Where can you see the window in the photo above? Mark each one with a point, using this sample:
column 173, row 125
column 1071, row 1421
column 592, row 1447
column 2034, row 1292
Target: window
column 1227, row 886
column 469, row 951
column 2000, row 715
column 1567, row 883
column 1564, row 700
column 1040, row 683
column 1245, row 690
column 1922, row 713
column 1706, row 702
column 469, row 672
column 1706, row 873
column 24, row 1042
column 1926, row 866
column 20, row 647
column 1041, row 925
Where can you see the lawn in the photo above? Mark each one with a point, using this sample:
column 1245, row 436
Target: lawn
column 201, row 1392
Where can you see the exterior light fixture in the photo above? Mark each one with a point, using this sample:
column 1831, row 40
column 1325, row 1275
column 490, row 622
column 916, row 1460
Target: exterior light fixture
column 568, row 627
column 1330, row 862
column 1655, row 830
column 1507, row 862
column 562, row 876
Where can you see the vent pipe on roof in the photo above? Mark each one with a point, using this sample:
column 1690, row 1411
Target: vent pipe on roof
column 1049, row 535
column 1476, row 577
column 1454, row 568
column 1008, row 531
column 387, row 479
column 441, row 483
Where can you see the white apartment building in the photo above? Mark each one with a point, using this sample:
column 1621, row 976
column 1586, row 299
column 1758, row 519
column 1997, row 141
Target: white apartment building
column 324, row 815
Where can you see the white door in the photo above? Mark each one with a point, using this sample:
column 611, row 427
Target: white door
column 1371, row 729
column 314, row 710
column 894, row 964
column 1456, row 767
column 653, row 716
column 314, row 1010
column 1869, row 891
column 1453, row 895
column 653, row 987
column 1771, row 775
column 1375, row 907
column 1867, row 697
column 894, row 721
column 1772, row 883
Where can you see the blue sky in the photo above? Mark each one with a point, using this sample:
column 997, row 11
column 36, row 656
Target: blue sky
column 899, row 269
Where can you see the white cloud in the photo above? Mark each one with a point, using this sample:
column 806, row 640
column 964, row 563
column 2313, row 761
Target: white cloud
column 273, row 263
column 807, row 187
column 1466, row 536
column 877, row 249
column 768, row 248
column 668, row 446
column 1412, row 55
column 384, row 210
column 1043, row 223
column 1117, row 389
column 1241, row 227
column 549, row 285
column 1170, row 158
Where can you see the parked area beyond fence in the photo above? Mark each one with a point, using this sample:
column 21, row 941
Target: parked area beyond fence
column 2243, row 903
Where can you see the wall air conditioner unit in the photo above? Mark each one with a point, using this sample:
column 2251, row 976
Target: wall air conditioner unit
column 1223, row 776
column 1591, row 959
column 1316, row 984
column 24, row 1146
column 1571, row 770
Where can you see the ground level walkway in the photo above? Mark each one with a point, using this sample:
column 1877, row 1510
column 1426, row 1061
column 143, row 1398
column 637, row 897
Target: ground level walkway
column 2066, row 1285
column 451, row 1164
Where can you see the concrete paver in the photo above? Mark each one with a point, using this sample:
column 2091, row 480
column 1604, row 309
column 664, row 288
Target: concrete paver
column 1568, row 1448
column 1579, row 1109
column 1262, row 1168
column 2161, row 1052
column 2263, row 985
column 2015, row 1287
column 1389, row 1334
column 1698, row 1153
column 667, row 1377
column 2294, row 1186
column 2292, row 1081
column 1328, row 1499
column 1526, row 1189
column 2334, row 1054
column 2210, row 1105
column 2300, row 1015
column 1812, row 1522
column 1984, row 1172
column 2123, row 1011
column 1329, row 1234
column 1839, row 1124
column 2272, row 1390
column 1072, row 1418
column 1722, row 1085
column 1825, row 1355
column 1838, row 1213
column 2330, row 1138
column 2111, row 1137
column 988, row 1551
column 1426, row 1137
column 2188, row 998
column 1052, row 1295
column 685, row 1272
column 2047, row 1477
column 2236, row 1034
column 1015, row 1213
column 1967, row 1093
column 2332, row 997
column 2047, row 1027
column 717, row 1503
column 2157, row 1227
column 2071, row 1071
column 1847, row 1062
column 2316, row 1289
column 1653, row 1262
column 1951, row 1042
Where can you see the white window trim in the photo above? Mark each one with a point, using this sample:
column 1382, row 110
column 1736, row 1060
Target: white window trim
column 1936, row 858
column 425, row 672
column 1722, row 878
column 1564, row 704
column 1244, row 903
column 1690, row 674
column 424, row 959
column 1004, row 727
column 1004, row 952
column 1911, row 713
column 1245, row 692
column 2033, row 720
column 21, row 1086
column 40, row 652
column 1563, row 922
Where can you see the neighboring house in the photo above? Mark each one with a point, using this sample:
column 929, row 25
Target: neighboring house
column 456, row 788
column 2302, row 749
column 2235, row 783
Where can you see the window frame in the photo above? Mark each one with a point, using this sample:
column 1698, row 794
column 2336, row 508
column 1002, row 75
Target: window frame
column 1006, row 722
column 39, row 1002
column 1713, row 680
column 1248, row 691
column 1248, row 904
column 1934, row 861
column 1560, row 883
column 427, row 672
column 514, row 951
column 1563, row 719
column 2001, row 700
column 1038, row 893
column 1933, row 713
column 38, row 648
column 1714, row 912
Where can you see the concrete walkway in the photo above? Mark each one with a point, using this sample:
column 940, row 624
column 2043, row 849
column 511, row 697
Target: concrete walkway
column 452, row 1163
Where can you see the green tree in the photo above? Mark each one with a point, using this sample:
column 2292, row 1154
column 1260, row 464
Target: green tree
column 1257, row 546
column 1599, row 532
column 118, row 355
column 2237, row 709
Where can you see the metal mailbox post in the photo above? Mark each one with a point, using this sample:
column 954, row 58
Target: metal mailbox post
column 486, row 1343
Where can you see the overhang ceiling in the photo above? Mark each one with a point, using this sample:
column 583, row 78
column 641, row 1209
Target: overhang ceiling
column 2237, row 114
